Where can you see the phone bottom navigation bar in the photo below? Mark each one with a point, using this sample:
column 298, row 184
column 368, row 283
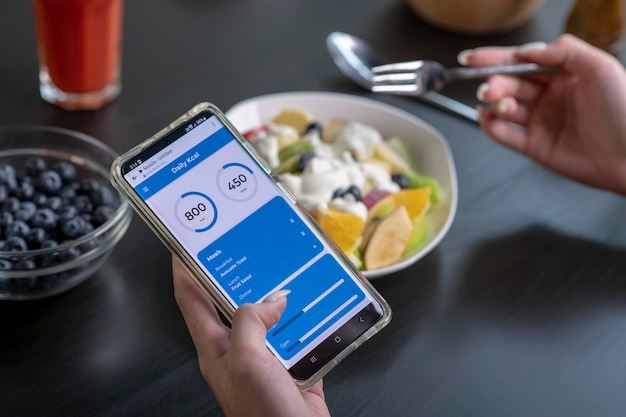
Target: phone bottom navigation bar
column 336, row 342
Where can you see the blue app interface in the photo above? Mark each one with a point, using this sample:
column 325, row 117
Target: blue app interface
column 230, row 215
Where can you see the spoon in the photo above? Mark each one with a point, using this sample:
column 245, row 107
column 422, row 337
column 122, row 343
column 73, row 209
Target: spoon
column 355, row 57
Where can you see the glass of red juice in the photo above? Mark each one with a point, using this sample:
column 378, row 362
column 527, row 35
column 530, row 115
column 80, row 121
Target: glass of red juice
column 79, row 48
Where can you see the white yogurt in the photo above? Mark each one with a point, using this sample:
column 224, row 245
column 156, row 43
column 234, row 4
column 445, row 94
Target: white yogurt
column 333, row 168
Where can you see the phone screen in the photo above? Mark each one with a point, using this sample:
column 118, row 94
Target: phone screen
column 246, row 235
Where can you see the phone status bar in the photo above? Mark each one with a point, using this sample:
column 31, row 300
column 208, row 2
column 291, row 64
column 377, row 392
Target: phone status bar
column 143, row 170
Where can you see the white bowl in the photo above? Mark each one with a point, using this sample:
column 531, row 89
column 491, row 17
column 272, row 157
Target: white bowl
column 429, row 149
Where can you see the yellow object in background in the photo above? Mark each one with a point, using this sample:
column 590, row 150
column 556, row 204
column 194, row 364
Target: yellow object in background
column 476, row 17
column 598, row 22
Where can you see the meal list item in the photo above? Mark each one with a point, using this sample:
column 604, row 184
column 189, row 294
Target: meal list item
column 78, row 44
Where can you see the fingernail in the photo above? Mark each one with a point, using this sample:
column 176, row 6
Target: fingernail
column 463, row 57
column 480, row 92
column 531, row 47
column 276, row 295
column 503, row 105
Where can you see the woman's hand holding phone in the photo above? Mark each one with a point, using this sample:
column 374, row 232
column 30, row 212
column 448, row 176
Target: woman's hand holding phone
column 244, row 375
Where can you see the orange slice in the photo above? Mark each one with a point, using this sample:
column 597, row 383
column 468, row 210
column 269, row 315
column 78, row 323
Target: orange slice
column 415, row 200
column 344, row 228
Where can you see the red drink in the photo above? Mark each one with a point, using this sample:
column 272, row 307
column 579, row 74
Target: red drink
column 79, row 51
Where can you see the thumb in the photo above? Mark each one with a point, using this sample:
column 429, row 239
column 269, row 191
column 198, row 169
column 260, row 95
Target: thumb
column 252, row 321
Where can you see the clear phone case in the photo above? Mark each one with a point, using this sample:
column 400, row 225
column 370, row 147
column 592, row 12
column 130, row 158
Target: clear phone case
column 168, row 239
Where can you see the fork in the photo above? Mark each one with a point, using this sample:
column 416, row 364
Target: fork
column 420, row 77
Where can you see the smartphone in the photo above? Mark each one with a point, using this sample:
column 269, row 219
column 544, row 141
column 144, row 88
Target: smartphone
column 243, row 235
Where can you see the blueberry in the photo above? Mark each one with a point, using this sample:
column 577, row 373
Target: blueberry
column 4, row 193
column 74, row 228
column 102, row 214
column 338, row 193
column 53, row 202
column 23, row 178
column 25, row 265
column 401, row 179
column 15, row 244
column 314, row 126
column 24, row 191
column 8, row 176
column 44, row 218
column 67, row 193
column 67, row 212
column 35, row 237
column 305, row 160
column 50, row 182
column 26, row 210
column 66, row 170
column 355, row 191
column 48, row 243
column 11, row 205
column 88, row 185
column 39, row 198
column 5, row 265
column 88, row 228
column 86, row 217
column 69, row 254
column 83, row 204
column 18, row 228
column 102, row 196
column 35, row 165
column 6, row 219
column 48, row 260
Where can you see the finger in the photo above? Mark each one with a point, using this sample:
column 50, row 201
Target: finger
column 498, row 87
column 503, row 131
column 487, row 56
column 251, row 323
column 571, row 54
column 314, row 397
column 495, row 55
column 209, row 334
column 510, row 110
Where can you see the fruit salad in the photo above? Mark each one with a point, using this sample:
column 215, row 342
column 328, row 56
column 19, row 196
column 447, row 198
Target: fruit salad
column 361, row 187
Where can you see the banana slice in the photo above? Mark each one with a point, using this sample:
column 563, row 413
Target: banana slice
column 296, row 118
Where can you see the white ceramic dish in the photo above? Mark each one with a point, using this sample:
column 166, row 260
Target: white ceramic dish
column 429, row 149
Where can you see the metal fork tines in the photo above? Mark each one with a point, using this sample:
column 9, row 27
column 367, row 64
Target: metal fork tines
column 420, row 77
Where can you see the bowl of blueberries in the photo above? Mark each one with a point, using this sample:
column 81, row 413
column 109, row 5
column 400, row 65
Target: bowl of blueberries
column 60, row 218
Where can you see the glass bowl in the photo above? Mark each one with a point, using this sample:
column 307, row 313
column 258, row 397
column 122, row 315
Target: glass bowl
column 43, row 272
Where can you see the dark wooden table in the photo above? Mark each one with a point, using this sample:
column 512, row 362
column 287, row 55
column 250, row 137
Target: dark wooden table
column 520, row 311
